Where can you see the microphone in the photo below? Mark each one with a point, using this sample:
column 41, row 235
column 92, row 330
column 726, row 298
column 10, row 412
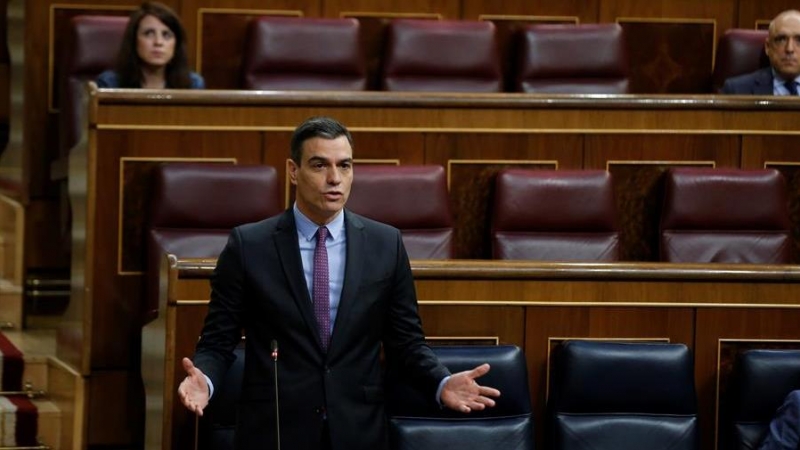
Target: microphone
column 274, row 346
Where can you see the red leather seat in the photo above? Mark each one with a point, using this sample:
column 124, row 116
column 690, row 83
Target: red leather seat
column 572, row 59
column 90, row 47
column 193, row 208
column 739, row 51
column 726, row 216
column 411, row 198
column 290, row 53
column 554, row 215
column 441, row 56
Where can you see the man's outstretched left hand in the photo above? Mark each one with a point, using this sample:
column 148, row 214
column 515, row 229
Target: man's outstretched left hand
column 462, row 393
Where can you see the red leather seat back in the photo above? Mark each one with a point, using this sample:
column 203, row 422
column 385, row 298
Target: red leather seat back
column 413, row 199
column 193, row 208
column 725, row 215
column 739, row 51
column 554, row 215
column 90, row 47
column 290, row 53
column 572, row 59
column 441, row 56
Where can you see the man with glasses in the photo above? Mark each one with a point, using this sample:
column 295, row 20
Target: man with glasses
column 783, row 49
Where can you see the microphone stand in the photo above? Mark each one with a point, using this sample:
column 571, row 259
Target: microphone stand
column 274, row 346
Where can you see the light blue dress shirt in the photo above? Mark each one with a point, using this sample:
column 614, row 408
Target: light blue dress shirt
column 778, row 84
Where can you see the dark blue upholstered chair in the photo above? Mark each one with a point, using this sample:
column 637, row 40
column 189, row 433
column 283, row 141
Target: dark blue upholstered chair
column 419, row 423
column 622, row 396
column 761, row 381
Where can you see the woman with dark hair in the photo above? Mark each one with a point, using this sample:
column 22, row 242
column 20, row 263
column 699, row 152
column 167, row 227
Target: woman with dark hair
column 153, row 53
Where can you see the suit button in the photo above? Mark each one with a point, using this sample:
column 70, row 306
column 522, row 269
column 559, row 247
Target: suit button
column 319, row 410
column 327, row 369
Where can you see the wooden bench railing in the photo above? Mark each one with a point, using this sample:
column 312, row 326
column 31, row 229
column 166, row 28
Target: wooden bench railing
column 717, row 310
column 12, row 242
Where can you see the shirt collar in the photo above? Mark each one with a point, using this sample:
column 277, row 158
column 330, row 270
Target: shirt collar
column 308, row 229
column 777, row 80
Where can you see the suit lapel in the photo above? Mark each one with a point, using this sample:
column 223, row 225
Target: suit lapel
column 763, row 82
column 286, row 242
column 352, row 274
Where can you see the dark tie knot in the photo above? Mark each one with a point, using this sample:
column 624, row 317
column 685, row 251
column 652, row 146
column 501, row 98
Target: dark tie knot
column 322, row 234
column 791, row 86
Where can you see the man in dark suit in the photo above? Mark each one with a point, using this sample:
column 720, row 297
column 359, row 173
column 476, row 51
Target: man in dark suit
column 333, row 289
column 783, row 49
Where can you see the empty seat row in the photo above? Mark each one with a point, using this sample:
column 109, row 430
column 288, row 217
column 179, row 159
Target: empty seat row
column 603, row 395
column 614, row 395
column 433, row 55
column 707, row 216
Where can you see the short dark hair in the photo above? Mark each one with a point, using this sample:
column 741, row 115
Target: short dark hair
column 321, row 127
column 129, row 64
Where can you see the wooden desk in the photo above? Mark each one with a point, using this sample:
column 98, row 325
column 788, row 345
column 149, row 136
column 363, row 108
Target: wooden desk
column 716, row 310
column 472, row 136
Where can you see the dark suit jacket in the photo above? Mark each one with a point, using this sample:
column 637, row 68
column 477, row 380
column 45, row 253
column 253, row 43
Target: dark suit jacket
column 784, row 429
column 755, row 83
column 258, row 286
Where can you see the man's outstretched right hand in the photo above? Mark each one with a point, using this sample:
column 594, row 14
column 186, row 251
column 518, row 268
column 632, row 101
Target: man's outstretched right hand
column 193, row 390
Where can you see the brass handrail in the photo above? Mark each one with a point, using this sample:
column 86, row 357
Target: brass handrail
column 28, row 391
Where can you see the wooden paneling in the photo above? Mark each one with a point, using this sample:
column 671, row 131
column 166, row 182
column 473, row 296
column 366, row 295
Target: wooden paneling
column 45, row 229
column 586, row 10
column 124, row 426
column 722, row 12
column 777, row 152
column 753, row 13
column 669, row 56
column 5, row 77
column 448, row 9
column 66, row 389
column 12, row 237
